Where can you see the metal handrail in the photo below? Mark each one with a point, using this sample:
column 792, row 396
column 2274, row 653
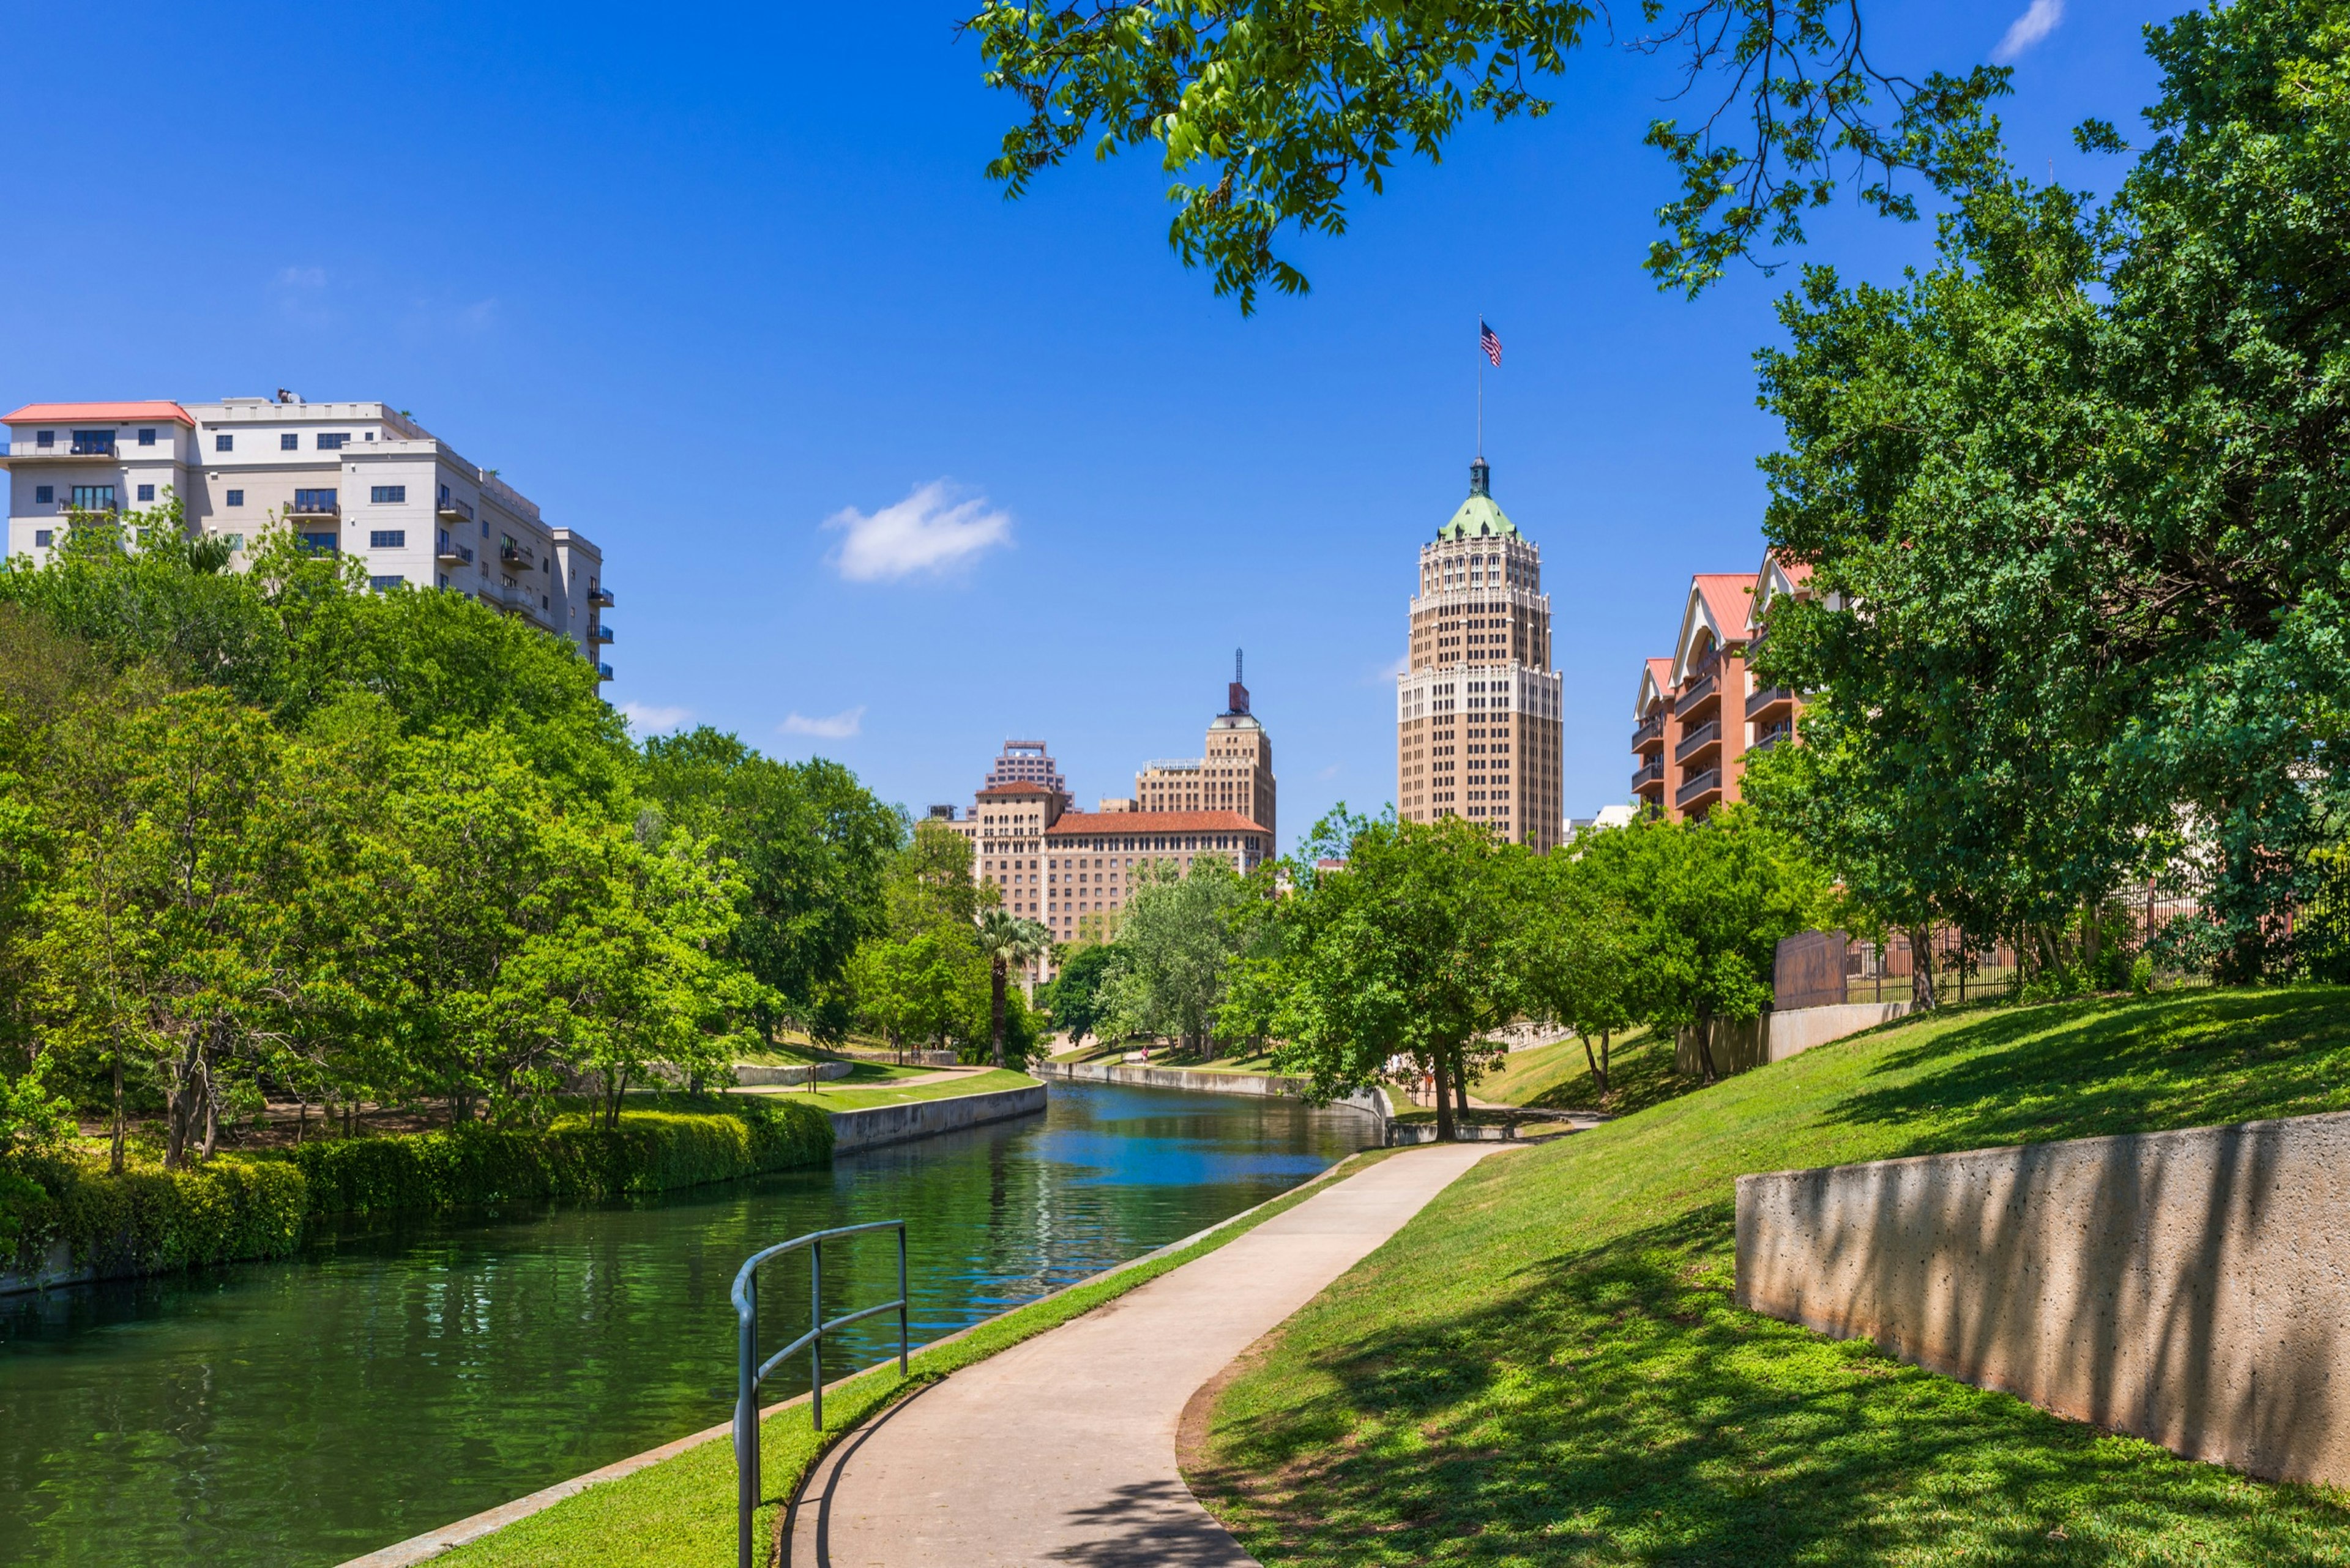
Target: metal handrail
column 750, row 1371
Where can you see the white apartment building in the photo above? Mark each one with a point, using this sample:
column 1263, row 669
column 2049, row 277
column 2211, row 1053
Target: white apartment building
column 361, row 480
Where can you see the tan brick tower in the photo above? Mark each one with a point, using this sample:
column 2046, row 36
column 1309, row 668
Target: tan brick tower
column 1477, row 710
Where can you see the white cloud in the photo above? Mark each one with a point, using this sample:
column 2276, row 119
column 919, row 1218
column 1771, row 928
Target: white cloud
column 302, row 277
column 650, row 718
column 934, row 530
column 837, row 727
column 2028, row 29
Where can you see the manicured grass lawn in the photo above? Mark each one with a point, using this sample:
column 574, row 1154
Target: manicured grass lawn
column 833, row 1097
column 681, row 1511
column 1557, row 1078
column 1545, row 1365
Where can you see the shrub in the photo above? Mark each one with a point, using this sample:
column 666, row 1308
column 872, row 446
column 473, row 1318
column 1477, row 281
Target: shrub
column 149, row 1220
column 572, row 1160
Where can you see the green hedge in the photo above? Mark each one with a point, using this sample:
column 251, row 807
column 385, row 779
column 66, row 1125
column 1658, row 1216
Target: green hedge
column 153, row 1222
column 150, row 1221
column 574, row 1160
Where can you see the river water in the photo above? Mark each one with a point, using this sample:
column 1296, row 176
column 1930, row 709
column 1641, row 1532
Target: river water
column 396, row 1378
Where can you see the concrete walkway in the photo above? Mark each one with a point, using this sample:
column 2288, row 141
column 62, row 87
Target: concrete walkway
column 1062, row 1450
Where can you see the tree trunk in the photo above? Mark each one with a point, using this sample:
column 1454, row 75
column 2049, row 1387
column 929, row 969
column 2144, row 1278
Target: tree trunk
column 1605, row 1067
column 1921, row 968
column 301, row 1121
column 1598, row 1073
column 1444, row 1128
column 114, row 1160
column 212, row 1114
column 1460, row 1088
column 1705, row 1042
column 995, row 1012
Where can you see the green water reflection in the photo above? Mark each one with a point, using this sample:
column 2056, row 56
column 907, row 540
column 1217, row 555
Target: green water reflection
column 393, row 1380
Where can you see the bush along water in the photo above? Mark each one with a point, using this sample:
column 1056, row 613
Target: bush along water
column 72, row 1219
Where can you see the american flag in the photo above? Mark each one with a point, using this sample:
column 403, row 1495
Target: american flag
column 1489, row 341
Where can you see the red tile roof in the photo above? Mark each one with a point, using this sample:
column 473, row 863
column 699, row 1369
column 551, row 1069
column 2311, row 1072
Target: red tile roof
column 1728, row 596
column 66, row 413
column 1125, row 822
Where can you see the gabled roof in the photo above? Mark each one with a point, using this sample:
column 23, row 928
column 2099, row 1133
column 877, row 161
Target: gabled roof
column 1773, row 578
column 1655, row 680
column 1718, row 603
column 111, row 413
column 1127, row 822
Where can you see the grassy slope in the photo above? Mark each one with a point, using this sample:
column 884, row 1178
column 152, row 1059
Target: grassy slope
column 681, row 1511
column 856, row 1098
column 1556, row 1077
column 1545, row 1366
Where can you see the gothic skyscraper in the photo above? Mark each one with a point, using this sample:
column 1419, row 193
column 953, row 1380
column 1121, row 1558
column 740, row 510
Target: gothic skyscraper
column 1477, row 709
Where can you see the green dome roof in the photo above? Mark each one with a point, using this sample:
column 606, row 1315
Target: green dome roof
column 1478, row 518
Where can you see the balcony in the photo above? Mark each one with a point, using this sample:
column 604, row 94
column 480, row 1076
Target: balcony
column 602, row 634
column 1651, row 732
column 1696, row 791
column 1765, row 703
column 62, row 451
column 1699, row 695
column 516, row 557
column 1785, row 731
column 1651, row 775
column 449, row 550
column 603, row 672
column 314, row 504
column 457, row 510
column 1704, row 738
column 601, row 598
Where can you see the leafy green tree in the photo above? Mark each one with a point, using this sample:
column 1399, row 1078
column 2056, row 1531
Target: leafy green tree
column 1574, row 952
column 1171, row 963
column 1268, row 110
column 2074, row 498
column 813, row 849
column 1409, row 952
column 1704, row 908
column 1006, row 942
column 1074, row 996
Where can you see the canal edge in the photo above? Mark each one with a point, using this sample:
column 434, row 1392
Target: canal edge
column 447, row 1537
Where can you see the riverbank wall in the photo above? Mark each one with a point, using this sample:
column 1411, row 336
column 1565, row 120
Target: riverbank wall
column 1264, row 1086
column 878, row 1125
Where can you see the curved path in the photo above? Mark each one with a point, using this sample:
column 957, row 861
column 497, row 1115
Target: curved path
column 1062, row 1450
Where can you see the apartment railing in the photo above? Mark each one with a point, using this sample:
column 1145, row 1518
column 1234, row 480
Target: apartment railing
column 1768, row 698
column 1696, row 694
column 1705, row 783
column 513, row 554
column 1706, row 734
column 603, row 634
column 1772, row 737
column 600, row 597
column 449, row 550
column 1651, row 728
column 603, row 672
column 450, row 506
column 1653, row 773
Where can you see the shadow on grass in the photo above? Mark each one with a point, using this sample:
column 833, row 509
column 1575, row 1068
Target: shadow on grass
column 2087, row 1069
column 1615, row 1408
column 1639, row 1074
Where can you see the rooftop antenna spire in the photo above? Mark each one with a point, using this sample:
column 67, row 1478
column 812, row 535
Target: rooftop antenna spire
column 1236, row 666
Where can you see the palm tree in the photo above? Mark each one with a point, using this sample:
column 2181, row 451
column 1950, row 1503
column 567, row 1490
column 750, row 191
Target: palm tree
column 1007, row 940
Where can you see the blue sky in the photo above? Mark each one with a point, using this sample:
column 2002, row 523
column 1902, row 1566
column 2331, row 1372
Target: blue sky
column 887, row 468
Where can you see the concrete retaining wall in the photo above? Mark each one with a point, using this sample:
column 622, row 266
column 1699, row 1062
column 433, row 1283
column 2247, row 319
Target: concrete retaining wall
column 878, row 1125
column 2191, row 1287
column 1266, row 1085
column 1775, row 1036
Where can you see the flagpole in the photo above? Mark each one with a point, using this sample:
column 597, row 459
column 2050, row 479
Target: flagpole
column 1481, row 391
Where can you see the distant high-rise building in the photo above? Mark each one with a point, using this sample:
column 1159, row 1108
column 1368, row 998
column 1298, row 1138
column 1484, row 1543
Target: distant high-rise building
column 1477, row 709
column 1235, row 774
column 1028, row 762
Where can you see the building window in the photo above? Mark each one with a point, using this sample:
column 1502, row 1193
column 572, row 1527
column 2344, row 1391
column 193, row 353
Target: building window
column 224, row 443
column 146, row 493
column 381, row 584
column 234, row 497
column 146, row 435
column 43, row 495
column 41, row 537
column 289, row 441
column 388, row 494
column 314, row 501
column 233, row 541
column 94, row 443
column 319, row 543
column 332, row 440
column 93, row 498
column 387, row 539
column 45, row 438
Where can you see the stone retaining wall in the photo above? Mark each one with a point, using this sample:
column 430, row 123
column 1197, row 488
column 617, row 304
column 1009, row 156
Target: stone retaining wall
column 748, row 1075
column 2191, row 1287
column 1775, row 1036
column 878, row 1125
column 1265, row 1085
